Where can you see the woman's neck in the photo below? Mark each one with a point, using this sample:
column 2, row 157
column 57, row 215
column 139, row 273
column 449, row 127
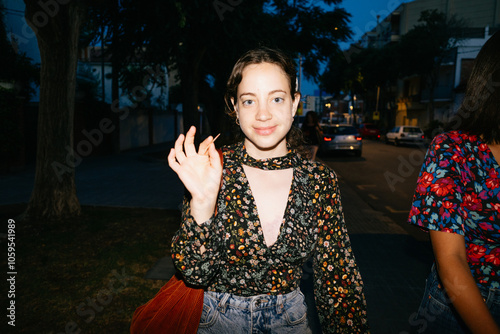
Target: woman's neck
column 495, row 150
column 266, row 153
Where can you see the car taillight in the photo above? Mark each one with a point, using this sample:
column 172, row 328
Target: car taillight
column 423, row 136
column 378, row 136
column 327, row 139
column 359, row 138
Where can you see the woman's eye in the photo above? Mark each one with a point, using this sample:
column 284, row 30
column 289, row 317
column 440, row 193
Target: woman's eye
column 278, row 99
column 247, row 102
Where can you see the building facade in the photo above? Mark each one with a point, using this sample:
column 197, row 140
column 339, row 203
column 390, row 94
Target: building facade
column 482, row 18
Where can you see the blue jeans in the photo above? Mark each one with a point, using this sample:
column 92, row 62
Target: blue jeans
column 225, row 313
column 436, row 313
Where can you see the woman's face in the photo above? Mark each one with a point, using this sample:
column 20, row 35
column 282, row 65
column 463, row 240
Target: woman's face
column 265, row 109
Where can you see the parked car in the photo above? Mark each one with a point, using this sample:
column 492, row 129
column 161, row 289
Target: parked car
column 369, row 130
column 404, row 134
column 341, row 137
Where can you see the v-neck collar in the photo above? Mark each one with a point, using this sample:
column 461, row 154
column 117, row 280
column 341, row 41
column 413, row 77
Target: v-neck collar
column 256, row 209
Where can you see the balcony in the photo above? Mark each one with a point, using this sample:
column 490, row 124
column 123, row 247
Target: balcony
column 410, row 103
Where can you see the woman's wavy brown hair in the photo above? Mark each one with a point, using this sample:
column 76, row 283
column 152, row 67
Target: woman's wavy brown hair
column 479, row 113
column 260, row 55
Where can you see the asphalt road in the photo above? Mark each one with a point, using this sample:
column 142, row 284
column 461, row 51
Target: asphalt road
column 384, row 177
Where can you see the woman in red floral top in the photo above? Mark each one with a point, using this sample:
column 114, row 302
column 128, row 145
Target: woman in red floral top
column 457, row 199
column 251, row 223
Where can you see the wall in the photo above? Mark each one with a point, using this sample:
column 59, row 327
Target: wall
column 134, row 129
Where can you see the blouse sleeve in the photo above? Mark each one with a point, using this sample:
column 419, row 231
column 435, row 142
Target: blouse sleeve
column 338, row 285
column 437, row 198
column 194, row 248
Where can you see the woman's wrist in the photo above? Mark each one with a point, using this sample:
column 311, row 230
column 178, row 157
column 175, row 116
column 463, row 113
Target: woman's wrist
column 202, row 209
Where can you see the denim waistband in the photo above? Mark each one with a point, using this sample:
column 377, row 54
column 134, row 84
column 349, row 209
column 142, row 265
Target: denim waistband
column 490, row 295
column 253, row 303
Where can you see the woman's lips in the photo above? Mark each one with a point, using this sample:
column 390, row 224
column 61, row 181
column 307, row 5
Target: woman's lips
column 265, row 131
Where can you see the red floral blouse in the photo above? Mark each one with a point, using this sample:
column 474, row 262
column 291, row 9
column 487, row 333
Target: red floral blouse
column 458, row 191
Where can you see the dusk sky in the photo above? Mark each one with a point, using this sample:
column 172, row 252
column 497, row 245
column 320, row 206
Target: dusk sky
column 363, row 19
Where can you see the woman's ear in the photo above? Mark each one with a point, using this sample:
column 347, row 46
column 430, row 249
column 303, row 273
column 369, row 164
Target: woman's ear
column 296, row 102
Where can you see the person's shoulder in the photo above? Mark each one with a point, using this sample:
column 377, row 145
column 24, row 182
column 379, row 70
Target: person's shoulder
column 453, row 140
column 317, row 170
column 454, row 136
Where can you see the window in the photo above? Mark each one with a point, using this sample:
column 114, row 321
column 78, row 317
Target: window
column 412, row 130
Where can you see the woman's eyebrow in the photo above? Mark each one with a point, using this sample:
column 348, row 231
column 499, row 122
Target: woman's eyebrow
column 271, row 92
column 243, row 94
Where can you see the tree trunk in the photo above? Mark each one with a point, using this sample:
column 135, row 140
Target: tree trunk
column 434, row 76
column 190, row 83
column 190, row 97
column 115, row 77
column 57, row 29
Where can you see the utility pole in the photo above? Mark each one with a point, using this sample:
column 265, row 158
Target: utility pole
column 300, row 73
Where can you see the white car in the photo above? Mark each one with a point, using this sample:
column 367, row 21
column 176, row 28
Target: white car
column 404, row 134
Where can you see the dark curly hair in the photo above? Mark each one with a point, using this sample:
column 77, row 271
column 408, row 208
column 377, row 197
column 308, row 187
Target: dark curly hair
column 260, row 55
column 479, row 113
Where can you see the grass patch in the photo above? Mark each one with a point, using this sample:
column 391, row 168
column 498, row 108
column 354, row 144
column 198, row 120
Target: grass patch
column 86, row 274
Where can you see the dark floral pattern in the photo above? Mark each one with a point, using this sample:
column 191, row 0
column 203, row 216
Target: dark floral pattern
column 458, row 191
column 237, row 260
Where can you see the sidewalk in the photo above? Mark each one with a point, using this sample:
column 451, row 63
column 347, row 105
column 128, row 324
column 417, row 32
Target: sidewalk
column 393, row 264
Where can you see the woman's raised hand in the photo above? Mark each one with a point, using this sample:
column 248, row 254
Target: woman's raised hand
column 200, row 172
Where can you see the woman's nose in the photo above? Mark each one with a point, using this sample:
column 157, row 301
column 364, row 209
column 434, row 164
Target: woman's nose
column 263, row 114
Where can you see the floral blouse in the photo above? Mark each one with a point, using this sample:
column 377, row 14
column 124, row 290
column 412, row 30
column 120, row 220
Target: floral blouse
column 236, row 259
column 458, row 191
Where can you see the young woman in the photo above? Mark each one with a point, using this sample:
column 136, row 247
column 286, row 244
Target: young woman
column 312, row 132
column 458, row 200
column 251, row 222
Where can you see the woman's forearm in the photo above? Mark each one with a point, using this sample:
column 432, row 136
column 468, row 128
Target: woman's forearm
column 465, row 296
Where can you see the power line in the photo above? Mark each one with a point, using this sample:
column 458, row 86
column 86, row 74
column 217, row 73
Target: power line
column 13, row 11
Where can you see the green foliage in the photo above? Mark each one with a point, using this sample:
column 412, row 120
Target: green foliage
column 204, row 38
column 362, row 72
